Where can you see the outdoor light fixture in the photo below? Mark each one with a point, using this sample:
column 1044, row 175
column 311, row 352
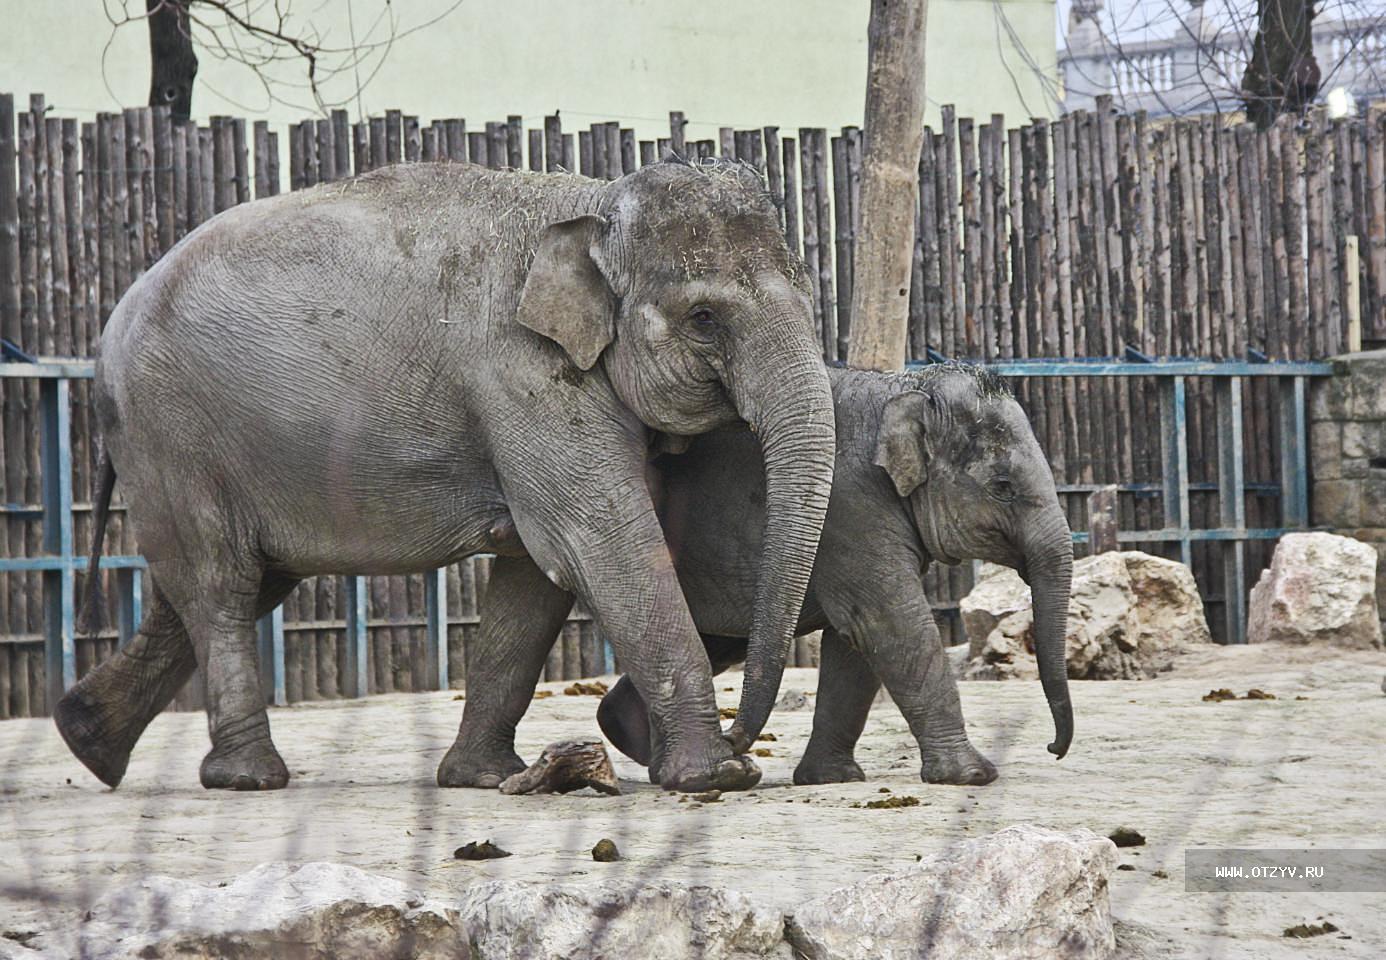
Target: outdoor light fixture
column 1340, row 103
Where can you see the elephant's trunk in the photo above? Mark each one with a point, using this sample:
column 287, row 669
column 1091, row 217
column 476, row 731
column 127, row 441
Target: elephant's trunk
column 795, row 422
column 1049, row 571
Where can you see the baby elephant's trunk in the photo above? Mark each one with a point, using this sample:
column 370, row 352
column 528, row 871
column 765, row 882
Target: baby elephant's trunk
column 1049, row 570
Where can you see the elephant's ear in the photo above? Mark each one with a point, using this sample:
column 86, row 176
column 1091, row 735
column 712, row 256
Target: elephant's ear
column 902, row 443
column 566, row 296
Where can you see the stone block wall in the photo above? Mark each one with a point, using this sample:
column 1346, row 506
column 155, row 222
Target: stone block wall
column 1347, row 455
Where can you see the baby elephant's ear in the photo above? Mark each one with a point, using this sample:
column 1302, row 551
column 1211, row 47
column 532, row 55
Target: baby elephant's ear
column 566, row 296
column 902, row 443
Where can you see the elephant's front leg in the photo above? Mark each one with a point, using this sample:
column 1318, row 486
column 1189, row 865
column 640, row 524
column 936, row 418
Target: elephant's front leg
column 655, row 638
column 901, row 647
column 520, row 618
column 625, row 719
column 618, row 562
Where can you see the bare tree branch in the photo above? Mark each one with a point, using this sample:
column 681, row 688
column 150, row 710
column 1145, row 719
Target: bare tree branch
column 267, row 38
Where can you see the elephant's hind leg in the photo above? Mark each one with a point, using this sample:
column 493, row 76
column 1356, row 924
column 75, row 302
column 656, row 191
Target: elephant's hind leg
column 219, row 603
column 103, row 716
column 522, row 615
column 846, row 689
column 625, row 720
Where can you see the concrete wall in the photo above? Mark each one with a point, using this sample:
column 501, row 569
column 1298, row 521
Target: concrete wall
column 723, row 62
column 1348, row 454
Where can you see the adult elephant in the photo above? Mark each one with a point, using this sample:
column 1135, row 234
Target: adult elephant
column 935, row 465
column 390, row 373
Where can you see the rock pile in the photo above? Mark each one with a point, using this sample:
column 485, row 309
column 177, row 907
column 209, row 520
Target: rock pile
column 1022, row 892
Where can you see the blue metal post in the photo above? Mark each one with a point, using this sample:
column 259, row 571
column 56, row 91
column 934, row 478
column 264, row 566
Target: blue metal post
column 1294, row 470
column 270, row 631
column 1174, row 447
column 1232, row 505
column 356, row 679
column 1162, row 368
column 436, row 644
column 59, row 588
column 129, row 603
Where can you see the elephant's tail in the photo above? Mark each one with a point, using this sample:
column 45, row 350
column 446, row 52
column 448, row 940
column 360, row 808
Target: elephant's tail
column 93, row 604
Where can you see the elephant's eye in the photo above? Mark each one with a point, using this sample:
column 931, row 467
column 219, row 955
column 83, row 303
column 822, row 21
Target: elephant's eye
column 1000, row 489
column 703, row 318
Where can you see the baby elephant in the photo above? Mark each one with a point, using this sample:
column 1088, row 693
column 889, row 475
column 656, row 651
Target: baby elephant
column 939, row 464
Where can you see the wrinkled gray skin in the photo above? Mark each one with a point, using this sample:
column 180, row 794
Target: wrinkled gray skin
column 938, row 465
column 389, row 374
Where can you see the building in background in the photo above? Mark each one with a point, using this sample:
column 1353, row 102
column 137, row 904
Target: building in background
column 1196, row 65
column 722, row 62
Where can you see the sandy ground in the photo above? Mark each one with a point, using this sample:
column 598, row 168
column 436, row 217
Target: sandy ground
column 1150, row 755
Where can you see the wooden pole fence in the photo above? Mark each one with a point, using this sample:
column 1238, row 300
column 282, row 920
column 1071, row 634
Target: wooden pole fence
column 1092, row 235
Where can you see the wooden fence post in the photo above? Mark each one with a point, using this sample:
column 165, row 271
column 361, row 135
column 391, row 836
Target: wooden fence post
column 1102, row 520
column 677, row 125
column 1352, row 284
column 553, row 144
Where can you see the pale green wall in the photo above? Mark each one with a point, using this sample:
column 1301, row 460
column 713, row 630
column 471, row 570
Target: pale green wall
column 724, row 62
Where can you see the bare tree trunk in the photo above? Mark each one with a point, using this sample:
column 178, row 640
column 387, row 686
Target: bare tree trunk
column 884, row 247
column 1283, row 74
column 173, row 65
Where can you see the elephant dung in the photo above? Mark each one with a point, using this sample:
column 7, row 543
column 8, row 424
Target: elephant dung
column 1127, row 837
column 605, row 851
column 479, row 850
column 1022, row 892
column 566, row 766
column 1129, row 615
column 322, row 910
column 1319, row 588
column 583, row 689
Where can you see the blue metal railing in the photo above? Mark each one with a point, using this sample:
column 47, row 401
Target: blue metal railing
column 59, row 565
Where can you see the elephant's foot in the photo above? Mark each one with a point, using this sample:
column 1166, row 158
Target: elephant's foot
column 473, row 767
column 724, row 773
column 102, row 744
column 255, row 765
column 841, row 768
column 961, row 765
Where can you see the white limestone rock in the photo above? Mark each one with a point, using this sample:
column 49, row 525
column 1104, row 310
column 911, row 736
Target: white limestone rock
column 1319, row 588
column 507, row 920
column 1023, row 892
column 314, row 911
column 1129, row 615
